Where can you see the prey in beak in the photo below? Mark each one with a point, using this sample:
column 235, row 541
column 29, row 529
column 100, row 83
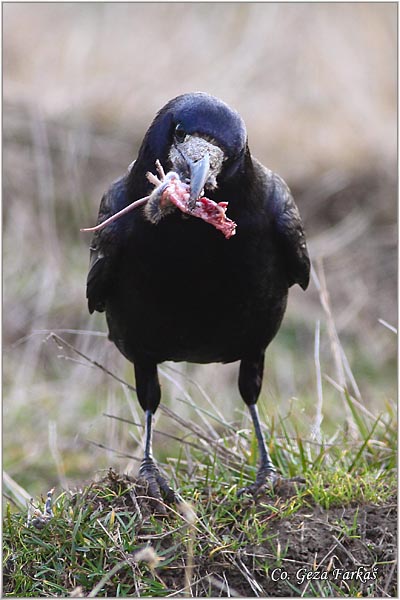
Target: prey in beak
column 198, row 162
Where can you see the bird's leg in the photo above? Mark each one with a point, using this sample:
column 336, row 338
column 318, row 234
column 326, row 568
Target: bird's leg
column 148, row 469
column 250, row 381
column 149, row 393
column 266, row 471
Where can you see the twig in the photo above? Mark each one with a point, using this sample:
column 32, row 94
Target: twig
column 255, row 586
column 157, row 431
column 316, row 428
column 56, row 454
column 320, row 282
column 59, row 340
column 107, row 576
column 136, row 504
column 349, row 554
column 23, row 339
column 20, row 495
column 389, row 578
column 386, row 324
column 316, row 567
column 365, row 410
column 224, row 586
column 116, row 452
column 201, row 390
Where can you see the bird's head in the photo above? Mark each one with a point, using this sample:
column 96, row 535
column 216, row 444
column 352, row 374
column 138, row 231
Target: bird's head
column 200, row 138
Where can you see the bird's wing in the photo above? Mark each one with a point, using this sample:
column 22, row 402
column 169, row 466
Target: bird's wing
column 289, row 230
column 104, row 247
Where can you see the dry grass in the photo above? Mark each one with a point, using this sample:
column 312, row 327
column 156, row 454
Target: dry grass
column 316, row 83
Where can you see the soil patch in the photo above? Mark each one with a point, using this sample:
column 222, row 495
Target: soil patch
column 348, row 550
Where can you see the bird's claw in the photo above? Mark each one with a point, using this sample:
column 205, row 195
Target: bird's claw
column 267, row 478
column 157, row 484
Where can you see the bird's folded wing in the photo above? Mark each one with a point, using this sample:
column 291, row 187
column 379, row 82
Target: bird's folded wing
column 289, row 231
column 102, row 249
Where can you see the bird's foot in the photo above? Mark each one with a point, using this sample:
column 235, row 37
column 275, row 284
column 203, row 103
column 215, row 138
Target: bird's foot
column 267, row 478
column 157, row 484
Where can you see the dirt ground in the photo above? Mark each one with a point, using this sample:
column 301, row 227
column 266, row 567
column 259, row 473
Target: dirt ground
column 317, row 549
column 343, row 551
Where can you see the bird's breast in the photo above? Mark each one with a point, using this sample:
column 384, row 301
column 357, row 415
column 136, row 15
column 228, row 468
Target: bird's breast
column 189, row 294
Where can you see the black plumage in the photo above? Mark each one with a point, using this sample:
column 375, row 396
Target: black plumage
column 172, row 287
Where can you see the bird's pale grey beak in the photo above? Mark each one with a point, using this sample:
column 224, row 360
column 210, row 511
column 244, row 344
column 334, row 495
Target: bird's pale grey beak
column 199, row 173
column 198, row 162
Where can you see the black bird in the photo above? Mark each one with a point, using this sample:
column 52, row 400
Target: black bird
column 172, row 287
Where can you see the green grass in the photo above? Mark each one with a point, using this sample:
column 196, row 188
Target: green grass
column 106, row 538
column 341, row 438
column 93, row 544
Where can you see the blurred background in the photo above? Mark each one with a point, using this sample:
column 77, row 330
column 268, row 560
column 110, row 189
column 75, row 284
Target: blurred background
column 316, row 84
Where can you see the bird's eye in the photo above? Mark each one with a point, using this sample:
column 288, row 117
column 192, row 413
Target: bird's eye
column 180, row 133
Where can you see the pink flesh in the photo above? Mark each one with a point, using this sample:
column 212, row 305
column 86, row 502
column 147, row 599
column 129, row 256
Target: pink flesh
column 177, row 193
column 206, row 209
